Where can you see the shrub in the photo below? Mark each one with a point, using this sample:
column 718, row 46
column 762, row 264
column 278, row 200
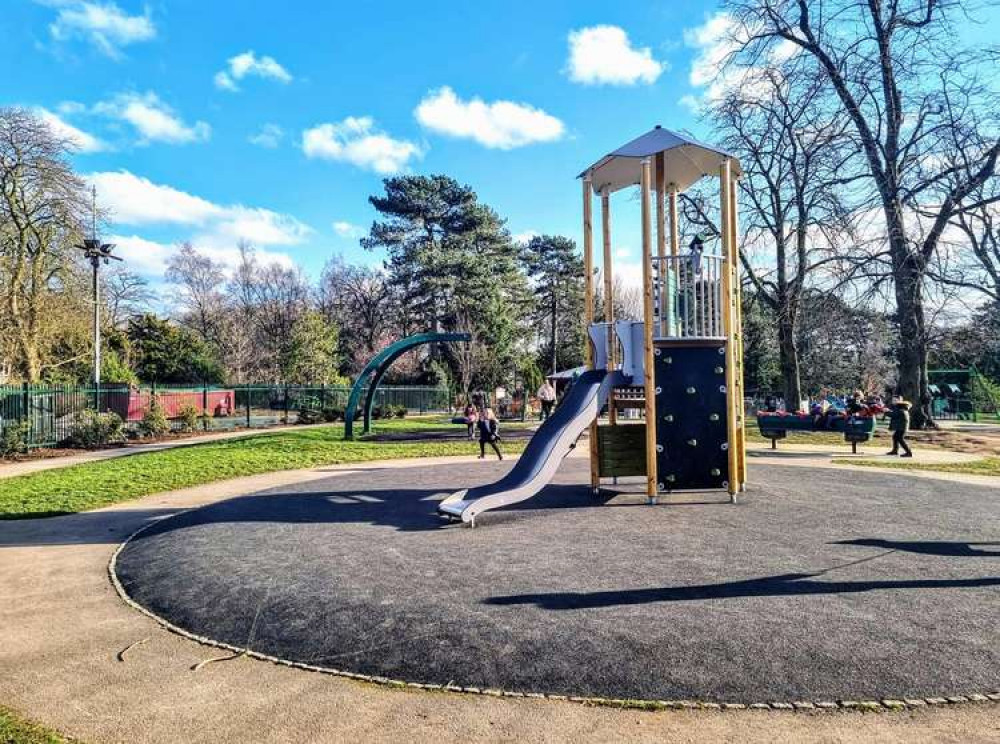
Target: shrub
column 154, row 421
column 14, row 438
column 92, row 429
column 310, row 416
column 400, row 411
column 333, row 413
column 188, row 417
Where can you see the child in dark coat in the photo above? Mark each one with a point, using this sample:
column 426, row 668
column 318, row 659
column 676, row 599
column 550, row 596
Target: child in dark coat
column 489, row 432
column 899, row 424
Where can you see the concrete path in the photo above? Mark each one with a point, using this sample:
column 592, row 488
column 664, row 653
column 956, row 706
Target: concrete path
column 64, row 632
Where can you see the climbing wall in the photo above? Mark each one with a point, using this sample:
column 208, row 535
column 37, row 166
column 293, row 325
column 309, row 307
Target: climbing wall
column 692, row 451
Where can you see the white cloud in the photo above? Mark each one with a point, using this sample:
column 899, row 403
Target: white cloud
column 355, row 140
column 80, row 140
column 134, row 200
column 269, row 136
column 103, row 24
column 500, row 124
column 150, row 257
column 259, row 226
column 715, row 42
column 603, row 55
column 348, row 229
column 248, row 64
column 153, row 119
column 623, row 252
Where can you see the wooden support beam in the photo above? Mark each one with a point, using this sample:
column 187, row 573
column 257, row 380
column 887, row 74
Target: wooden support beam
column 647, row 296
column 609, row 295
column 588, row 315
column 675, row 248
column 729, row 323
column 741, row 444
column 661, row 241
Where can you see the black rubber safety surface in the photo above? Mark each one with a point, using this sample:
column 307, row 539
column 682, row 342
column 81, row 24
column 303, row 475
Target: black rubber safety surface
column 826, row 584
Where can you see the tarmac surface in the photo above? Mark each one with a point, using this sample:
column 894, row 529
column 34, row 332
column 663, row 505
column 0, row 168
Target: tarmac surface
column 821, row 584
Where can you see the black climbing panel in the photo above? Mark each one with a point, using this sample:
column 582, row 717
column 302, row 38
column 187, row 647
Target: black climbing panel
column 691, row 416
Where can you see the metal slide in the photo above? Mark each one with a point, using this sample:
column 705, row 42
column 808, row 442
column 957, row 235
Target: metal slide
column 550, row 444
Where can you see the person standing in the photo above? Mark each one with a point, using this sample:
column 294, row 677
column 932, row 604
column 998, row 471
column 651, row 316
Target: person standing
column 899, row 424
column 489, row 432
column 547, row 397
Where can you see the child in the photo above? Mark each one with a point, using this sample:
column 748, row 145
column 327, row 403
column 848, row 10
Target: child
column 899, row 424
column 489, row 432
column 471, row 417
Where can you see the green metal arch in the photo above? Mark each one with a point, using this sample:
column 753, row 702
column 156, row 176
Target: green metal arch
column 376, row 368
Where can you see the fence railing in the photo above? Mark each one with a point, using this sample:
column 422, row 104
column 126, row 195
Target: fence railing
column 688, row 300
column 50, row 412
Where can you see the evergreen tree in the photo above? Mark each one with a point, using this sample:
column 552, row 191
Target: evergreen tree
column 555, row 268
column 312, row 351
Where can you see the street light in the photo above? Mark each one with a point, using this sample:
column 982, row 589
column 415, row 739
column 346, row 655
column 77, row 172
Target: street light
column 98, row 253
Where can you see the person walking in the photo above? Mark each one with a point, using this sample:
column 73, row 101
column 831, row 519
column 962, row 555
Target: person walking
column 899, row 424
column 547, row 397
column 471, row 417
column 489, row 432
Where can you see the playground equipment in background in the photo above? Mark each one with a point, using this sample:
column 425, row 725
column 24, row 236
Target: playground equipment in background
column 961, row 394
column 855, row 428
column 684, row 360
column 376, row 368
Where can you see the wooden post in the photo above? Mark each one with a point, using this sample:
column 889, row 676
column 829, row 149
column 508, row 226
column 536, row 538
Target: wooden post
column 588, row 315
column 661, row 241
column 729, row 321
column 741, row 445
column 647, row 297
column 609, row 296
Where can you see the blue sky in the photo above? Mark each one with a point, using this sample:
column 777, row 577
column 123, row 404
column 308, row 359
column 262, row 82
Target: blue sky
column 274, row 122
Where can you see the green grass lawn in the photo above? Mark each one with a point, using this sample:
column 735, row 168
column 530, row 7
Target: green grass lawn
column 15, row 730
column 91, row 485
column 986, row 466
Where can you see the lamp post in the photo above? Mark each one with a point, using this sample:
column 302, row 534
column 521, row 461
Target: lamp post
column 97, row 253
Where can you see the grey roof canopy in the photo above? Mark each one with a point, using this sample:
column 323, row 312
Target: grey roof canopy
column 685, row 161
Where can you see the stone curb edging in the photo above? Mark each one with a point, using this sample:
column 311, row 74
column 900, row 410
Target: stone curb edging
column 885, row 704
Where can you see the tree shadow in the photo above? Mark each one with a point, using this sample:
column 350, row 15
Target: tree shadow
column 927, row 547
column 783, row 585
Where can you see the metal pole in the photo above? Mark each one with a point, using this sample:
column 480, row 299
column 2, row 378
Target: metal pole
column 647, row 296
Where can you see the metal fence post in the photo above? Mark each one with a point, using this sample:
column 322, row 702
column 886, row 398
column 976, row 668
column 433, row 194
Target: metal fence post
column 204, row 406
column 25, row 406
column 286, row 404
column 247, row 389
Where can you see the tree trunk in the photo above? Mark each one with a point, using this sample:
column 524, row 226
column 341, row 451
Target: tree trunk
column 788, row 359
column 912, row 340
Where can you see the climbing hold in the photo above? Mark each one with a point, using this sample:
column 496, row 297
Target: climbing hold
column 691, row 391
column 671, row 478
column 725, row 446
column 722, row 349
column 719, row 370
column 713, row 417
column 722, row 388
column 668, row 360
column 656, row 351
column 659, row 448
column 693, row 442
column 716, row 471
column 658, row 390
column 669, row 418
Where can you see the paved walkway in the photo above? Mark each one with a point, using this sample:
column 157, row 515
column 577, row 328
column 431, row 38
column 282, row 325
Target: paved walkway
column 64, row 630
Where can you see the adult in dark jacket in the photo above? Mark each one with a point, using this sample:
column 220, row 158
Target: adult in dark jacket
column 899, row 424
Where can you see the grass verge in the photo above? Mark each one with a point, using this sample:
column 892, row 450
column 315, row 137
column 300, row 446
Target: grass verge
column 92, row 485
column 986, row 466
column 15, row 730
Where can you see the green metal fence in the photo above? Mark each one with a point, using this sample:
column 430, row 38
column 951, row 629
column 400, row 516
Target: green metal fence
column 50, row 412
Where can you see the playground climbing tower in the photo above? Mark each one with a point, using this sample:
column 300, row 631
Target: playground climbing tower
column 688, row 380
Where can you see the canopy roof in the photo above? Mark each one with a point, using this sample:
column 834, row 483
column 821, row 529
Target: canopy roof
column 685, row 161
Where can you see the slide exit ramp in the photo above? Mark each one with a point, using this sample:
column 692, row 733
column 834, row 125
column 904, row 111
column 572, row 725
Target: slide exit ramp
column 550, row 444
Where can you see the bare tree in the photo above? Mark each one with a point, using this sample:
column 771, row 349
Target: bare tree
column 43, row 208
column 361, row 302
column 125, row 294
column 200, row 281
column 910, row 92
column 793, row 151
